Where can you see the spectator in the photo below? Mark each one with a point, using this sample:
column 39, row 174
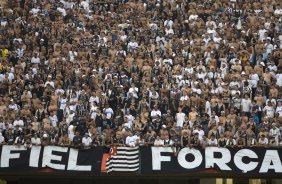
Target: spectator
column 212, row 141
column 195, row 142
column 77, row 140
column 86, row 140
column 185, row 140
column 130, row 140
column 230, row 142
column 263, row 141
column 180, row 117
column 35, row 140
column 274, row 132
column 65, row 140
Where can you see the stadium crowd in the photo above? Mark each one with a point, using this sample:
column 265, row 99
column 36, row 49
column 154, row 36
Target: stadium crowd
column 141, row 72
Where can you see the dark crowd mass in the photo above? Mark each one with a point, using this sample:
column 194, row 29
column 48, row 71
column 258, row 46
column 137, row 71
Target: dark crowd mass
column 181, row 73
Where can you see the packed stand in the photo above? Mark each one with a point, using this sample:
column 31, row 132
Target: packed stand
column 179, row 73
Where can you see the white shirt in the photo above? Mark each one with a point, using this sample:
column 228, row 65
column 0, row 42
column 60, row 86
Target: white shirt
column 69, row 118
column 212, row 142
column 19, row 123
column 201, row 75
column 123, row 37
column 264, row 142
column 2, row 126
column 62, row 11
column 184, row 98
column 272, row 68
column 269, row 48
column 35, row 60
column 159, row 142
column 180, row 117
column 49, row 82
column 67, row 5
column 169, row 31
column 36, row 141
column 275, row 133
column 200, row 132
column 254, row 78
column 130, row 118
column 86, row 141
column 155, row 113
column 193, row 17
column 269, row 111
column 72, row 55
column 85, row 5
column 59, row 91
column 63, row 103
column 130, row 141
column 2, row 77
column 168, row 22
column 208, row 108
column 134, row 91
column 262, row 34
column 54, row 120
column 109, row 112
column 279, row 110
column 168, row 60
column 71, row 132
column 20, row 52
column 94, row 99
column 278, row 11
column 13, row 107
column 34, row 11
column 2, row 139
column 211, row 31
column 246, row 105
column 232, row 143
column 11, row 76
column 279, row 79
column 132, row 45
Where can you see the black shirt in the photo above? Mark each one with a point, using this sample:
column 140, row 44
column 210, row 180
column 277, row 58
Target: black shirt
column 76, row 140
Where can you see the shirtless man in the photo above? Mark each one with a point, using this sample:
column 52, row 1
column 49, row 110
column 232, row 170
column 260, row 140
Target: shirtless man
column 267, row 77
column 193, row 115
